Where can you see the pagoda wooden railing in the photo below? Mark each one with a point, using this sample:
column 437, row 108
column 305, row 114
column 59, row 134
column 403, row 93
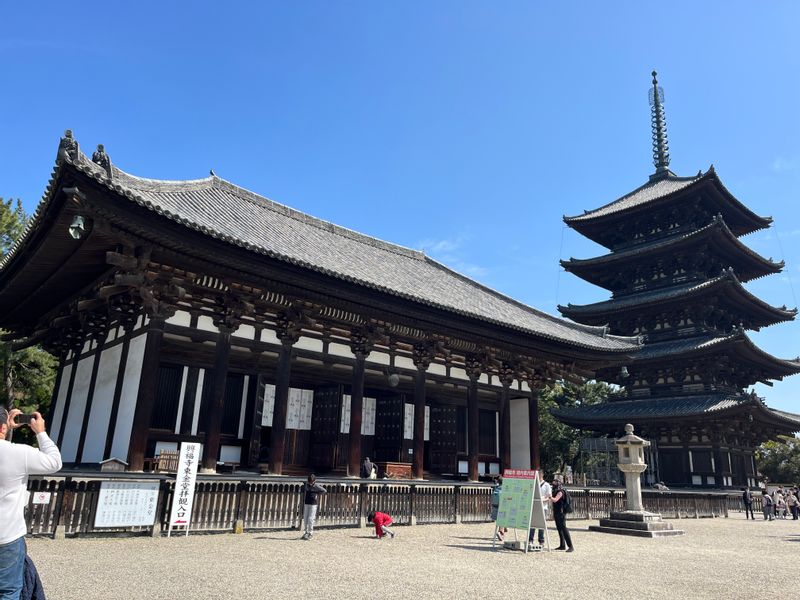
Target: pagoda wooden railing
column 227, row 504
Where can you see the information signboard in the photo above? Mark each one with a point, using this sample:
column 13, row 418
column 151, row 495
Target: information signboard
column 516, row 499
column 183, row 496
column 126, row 504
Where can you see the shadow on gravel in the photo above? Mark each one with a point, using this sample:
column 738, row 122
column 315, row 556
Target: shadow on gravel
column 479, row 539
column 466, row 547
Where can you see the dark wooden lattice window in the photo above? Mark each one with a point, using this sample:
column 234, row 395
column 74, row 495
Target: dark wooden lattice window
column 701, row 461
column 232, row 408
column 168, row 389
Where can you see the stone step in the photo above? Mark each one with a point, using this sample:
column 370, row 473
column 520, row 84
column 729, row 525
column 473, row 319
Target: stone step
column 640, row 525
column 637, row 517
column 636, row 532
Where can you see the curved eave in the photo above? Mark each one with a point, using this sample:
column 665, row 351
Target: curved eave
column 736, row 344
column 593, row 224
column 601, row 270
column 600, row 313
column 613, row 414
column 602, row 346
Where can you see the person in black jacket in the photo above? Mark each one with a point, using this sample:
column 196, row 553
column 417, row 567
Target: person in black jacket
column 747, row 500
column 366, row 468
column 311, row 492
column 559, row 501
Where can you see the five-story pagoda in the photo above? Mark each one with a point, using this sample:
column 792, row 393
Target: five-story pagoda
column 675, row 270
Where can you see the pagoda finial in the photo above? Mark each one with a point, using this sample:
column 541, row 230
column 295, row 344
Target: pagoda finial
column 659, row 125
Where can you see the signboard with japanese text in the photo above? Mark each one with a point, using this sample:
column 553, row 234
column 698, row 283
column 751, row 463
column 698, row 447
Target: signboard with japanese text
column 516, row 499
column 126, row 504
column 266, row 393
column 183, row 496
column 298, row 411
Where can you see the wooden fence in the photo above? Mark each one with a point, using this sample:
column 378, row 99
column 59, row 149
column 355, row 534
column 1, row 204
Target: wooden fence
column 234, row 504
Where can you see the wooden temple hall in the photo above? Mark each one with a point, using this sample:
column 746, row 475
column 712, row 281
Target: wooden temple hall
column 199, row 311
column 676, row 269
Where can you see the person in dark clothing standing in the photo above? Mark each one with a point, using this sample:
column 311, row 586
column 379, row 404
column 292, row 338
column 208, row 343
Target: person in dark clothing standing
column 559, row 501
column 747, row 500
column 311, row 492
column 366, row 468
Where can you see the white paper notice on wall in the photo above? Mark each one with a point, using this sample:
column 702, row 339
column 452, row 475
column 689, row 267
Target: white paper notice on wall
column 408, row 422
column 40, row 497
column 306, row 409
column 368, row 412
column 126, row 504
column 266, row 393
column 293, row 409
column 427, row 435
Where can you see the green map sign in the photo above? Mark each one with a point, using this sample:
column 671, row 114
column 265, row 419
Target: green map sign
column 516, row 499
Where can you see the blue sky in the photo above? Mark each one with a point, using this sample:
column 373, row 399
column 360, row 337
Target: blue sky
column 466, row 129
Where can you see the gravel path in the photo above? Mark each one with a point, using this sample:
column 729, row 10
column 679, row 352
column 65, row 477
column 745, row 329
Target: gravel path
column 719, row 558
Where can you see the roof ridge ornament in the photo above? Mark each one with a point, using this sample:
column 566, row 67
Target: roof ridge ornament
column 99, row 157
column 659, row 126
column 68, row 148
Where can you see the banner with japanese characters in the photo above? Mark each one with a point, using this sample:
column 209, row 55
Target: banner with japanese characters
column 126, row 504
column 183, row 497
column 516, row 498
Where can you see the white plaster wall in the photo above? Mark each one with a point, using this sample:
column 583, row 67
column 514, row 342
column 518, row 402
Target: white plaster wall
column 127, row 401
column 184, row 377
column 181, row 317
column 102, row 401
column 77, row 406
column 379, row 357
column 205, row 323
column 198, row 396
column 245, row 331
column 403, row 362
column 437, row 369
column 307, row 343
column 58, row 414
column 268, row 336
column 340, row 350
column 520, row 434
column 458, row 373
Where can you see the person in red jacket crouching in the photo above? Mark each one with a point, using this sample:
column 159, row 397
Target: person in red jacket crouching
column 382, row 522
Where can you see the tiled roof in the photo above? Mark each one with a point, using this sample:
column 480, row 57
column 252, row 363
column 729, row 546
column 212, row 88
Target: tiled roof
column 716, row 227
column 224, row 211
column 650, row 191
column 684, row 291
column 665, row 408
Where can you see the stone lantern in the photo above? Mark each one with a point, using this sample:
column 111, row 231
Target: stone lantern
column 634, row 520
column 631, row 462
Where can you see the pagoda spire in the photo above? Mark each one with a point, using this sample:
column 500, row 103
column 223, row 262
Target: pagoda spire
column 659, row 125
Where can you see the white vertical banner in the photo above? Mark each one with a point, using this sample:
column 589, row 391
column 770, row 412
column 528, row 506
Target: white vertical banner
column 293, row 409
column 266, row 392
column 306, row 409
column 183, row 496
column 368, row 412
column 427, row 436
column 408, row 422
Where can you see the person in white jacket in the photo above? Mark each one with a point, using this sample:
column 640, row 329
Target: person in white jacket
column 17, row 462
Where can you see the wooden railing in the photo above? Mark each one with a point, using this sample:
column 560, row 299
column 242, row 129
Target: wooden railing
column 225, row 504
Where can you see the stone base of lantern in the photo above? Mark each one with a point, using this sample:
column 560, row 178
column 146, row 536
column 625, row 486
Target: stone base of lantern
column 636, row 523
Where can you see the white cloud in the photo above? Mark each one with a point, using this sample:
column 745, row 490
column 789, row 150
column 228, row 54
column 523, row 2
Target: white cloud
column 784, row 164
column 449, row 251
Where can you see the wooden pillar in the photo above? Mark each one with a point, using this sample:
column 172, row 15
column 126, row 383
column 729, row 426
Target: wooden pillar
column 506, row 379
column 216, row 400
column 505, row 428
column 533, row 429
column 422, row 355
column 473, row 436
column 356, row 408
column 277, row 445
column 146, row 398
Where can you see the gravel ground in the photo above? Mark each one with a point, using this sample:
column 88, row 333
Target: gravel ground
column 719, row 558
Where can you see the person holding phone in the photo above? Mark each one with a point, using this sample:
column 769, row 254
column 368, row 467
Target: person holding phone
column 17, row 462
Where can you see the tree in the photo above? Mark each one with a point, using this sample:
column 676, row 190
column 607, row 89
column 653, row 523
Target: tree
column 779, row 460
column 559, row 443
column 28, row 374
